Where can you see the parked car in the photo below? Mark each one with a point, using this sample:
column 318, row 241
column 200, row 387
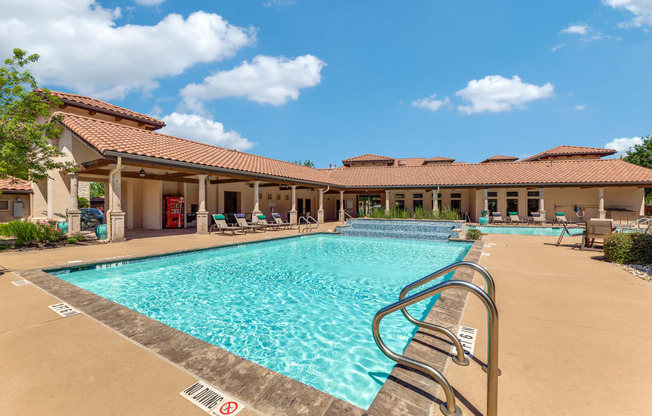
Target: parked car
column 90, row 214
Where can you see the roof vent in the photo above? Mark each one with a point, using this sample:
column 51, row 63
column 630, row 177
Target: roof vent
column 402, row 163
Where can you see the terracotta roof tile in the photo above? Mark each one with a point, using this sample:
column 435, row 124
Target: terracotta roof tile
column 76, row 100
column 106, row 136
column 368, row 158
column 14, row 184
column 500, row 158
column 594, row 171
column 565, row 150
column 440, row 159
column 409, row 161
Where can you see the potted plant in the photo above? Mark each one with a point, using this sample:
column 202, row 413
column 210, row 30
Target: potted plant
column 484, row 218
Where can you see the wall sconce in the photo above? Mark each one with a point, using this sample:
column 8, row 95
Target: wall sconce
column 141, row 173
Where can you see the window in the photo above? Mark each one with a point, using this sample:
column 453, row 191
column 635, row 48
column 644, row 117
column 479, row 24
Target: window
column 512, row 201
column 456, row 201
column 513, row 194
column 417, row 196
column 533, row 194
column 4, row 205
column 278, row 197
column 269, row 196
column 532, row 202
column 260, row 195
column 492, row 201
column 492, row 194
column 287, row 197
column 439, row 201
column 399, row 196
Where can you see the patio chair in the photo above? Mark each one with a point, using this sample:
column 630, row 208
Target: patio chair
column 566, row 232
column 242, row 222
column 279, row 221
column 497, row 217
column 560, row 217
column 513, row 218
column 262, row 221
column 220, row 225
column 537, row 219
column 597, row 228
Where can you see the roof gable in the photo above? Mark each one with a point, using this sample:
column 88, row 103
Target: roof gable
column 565, row 150
column 14, row 184
column 368, row 158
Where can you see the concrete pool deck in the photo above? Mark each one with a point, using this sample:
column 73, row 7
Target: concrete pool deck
column 564, row 359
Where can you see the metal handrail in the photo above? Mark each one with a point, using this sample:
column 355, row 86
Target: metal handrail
column 491, row 288
column 307, row 224
column 308, row 218
column 467, row 217
column 449, row 407
column 346, row 214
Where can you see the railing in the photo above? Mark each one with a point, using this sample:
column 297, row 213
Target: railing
column 466, row 217
column 308, row 225
column 636, row 225
column 310, row 221
column 491, row 368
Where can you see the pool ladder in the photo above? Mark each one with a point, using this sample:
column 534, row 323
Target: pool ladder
column 449, row 407
column 310, row 221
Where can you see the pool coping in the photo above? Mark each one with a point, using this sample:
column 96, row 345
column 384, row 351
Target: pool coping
column 261, row 390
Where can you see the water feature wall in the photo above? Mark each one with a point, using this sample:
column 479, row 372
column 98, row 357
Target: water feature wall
column 403, row 229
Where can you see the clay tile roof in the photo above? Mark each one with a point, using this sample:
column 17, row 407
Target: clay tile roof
column 14, row 184
column 368, row 158
column 105, row 137
column 564, row 150
column 440, row 159
column 88, row 103
column 500, row 158
column 567, row 172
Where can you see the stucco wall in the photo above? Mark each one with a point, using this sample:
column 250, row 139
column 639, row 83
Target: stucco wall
column 7, row 215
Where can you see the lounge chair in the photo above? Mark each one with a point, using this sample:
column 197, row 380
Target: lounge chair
column 597, row 228
column 221, row 225
column 513, row 218
column 279, row 221
column 565, row 231
column 497, row 217
column 242, row 222
column 262, row 221
column 560, row 217
column 537, row 219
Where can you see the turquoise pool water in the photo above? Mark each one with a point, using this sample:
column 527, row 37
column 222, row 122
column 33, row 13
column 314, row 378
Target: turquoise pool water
column 551, row 231
column 300, row 306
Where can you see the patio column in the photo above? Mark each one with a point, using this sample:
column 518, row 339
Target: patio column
column 256, row 210
column 601, row 211
column 320, row 211
column 202, row 214
column 293, row 211
column 542, row 208
column 486, row 199
column 116, row 216
column 387, row 209
column 74, row 214
column 435, row 201
column 342, row 206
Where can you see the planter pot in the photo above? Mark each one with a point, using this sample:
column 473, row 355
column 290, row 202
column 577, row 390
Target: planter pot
column 100, row 232
column 63, row 226
column 483, row 220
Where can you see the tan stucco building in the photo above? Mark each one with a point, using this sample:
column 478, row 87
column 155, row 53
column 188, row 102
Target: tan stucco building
column 121, row 148
column 14, row 199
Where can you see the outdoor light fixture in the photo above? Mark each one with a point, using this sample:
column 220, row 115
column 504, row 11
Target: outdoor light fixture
column 141, row 173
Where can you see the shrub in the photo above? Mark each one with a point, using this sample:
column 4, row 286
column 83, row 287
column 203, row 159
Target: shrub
column 72, row 240
column 83, row 202
column 473, row 234
column 418, row 213
column 48, row 231
column 27, row 232
column 628, row 248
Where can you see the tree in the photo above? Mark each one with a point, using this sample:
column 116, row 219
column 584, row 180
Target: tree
column 25, row 123
column 641, row 154
column 305, row 163
column 97, row 189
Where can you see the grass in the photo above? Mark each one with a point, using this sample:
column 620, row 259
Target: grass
column 418, row 214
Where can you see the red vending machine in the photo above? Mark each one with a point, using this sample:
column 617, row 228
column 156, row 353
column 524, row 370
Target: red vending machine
column 173, row 212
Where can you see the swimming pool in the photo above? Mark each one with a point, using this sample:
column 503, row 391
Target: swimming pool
column 300, row 306
column 551, row 231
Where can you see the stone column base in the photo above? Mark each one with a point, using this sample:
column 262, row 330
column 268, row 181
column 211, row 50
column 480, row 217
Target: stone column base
column 543, row 214
column 117, row 226
column 74, row 222
column 320, row 216
column 341, row 216
column 293, row 217
column 603, row 214
column 202, row 222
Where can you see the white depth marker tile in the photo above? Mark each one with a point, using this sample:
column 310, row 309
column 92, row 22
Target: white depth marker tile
column 467, row 338
column 21, row 283
column 64, row 309
column 212, row 400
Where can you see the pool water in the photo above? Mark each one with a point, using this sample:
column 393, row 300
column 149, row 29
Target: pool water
column 550, row 231
column 301, row 306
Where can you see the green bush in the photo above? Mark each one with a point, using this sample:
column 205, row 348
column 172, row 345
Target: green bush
column 27, row 232
column 83, row 202
column 418, row 213
column 628, row 248
column 473, row 234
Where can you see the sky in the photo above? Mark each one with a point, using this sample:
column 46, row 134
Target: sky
column 329, row 80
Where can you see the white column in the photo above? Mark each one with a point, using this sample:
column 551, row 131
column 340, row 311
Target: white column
column 256, row 210
column 486, row 199
column 117, row 216
column 342, row 206
column 601, row 211
column 387, row 208
column 435, row 200
column 293, row 211
column 320, row 211
column 202, row 214
column 74, row 214
column 542, row 207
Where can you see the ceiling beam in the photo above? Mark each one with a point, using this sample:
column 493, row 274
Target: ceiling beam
column 218, row 181
column 97, row 163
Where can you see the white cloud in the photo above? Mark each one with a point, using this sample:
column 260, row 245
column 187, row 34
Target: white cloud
column 642, row 10
column 623, row 145
column 495, row 93
column 267, row 80
column 149, row 2
column 577, row 29
column 580, row 107
column 198, row 128
column 557, row 47
column 83, row 49
column 431, row 103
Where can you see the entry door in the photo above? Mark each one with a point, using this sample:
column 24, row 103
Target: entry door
column 308, row 201
column 300, row 206
column 230, row 202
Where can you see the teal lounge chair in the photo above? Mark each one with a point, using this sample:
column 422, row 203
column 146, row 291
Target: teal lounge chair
column 220, row 225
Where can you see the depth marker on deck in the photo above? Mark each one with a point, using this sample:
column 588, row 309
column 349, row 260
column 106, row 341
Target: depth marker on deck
column 212, row 400
column 467, row 338
column 21, row 283
column 64, row 309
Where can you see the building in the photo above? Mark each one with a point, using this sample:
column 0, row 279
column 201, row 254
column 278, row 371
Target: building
column 122, row 148
column 14, row 199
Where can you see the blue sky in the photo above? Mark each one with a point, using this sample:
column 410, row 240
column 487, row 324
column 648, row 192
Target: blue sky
column 329, row 80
